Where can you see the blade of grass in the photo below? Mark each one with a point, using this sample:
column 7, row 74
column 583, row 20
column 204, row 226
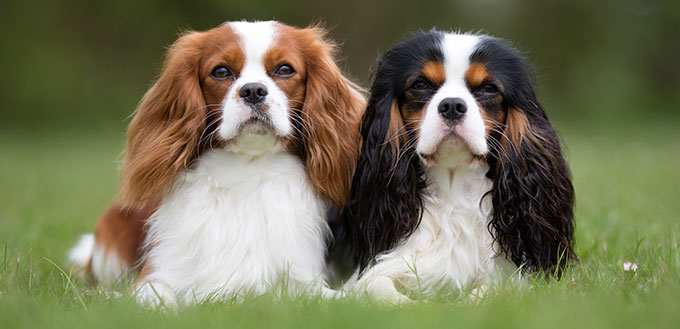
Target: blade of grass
column 70, row 282
column 4, row 258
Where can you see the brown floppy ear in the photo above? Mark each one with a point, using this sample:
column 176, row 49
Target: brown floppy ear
column 332, row 114
column 164, row 134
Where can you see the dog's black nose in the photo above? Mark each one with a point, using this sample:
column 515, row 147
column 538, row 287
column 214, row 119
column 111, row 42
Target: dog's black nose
column 452, row 108
column 253, row 93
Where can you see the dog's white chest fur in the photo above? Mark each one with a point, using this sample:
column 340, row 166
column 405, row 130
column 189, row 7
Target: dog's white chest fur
column 452, row 246
column 237, row 224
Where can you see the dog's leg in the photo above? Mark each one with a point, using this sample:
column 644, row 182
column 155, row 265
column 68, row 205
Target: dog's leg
column 114, row 249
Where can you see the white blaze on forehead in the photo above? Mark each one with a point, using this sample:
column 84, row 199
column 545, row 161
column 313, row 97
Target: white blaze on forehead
column 457, row 49
column 256, row 39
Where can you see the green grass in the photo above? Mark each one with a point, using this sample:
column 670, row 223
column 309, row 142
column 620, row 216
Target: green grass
column 54, row 185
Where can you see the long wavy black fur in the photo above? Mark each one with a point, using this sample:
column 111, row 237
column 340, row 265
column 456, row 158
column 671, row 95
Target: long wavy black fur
column 533, row 202
column 385, row 202
column 533, row 197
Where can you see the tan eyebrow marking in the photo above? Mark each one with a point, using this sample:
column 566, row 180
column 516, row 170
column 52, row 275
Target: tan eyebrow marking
column 476, row 74
column 434, row 71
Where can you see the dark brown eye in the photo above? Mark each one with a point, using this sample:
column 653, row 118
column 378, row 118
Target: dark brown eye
column 488, row 89
column 284, row 71
column 221, row 73
column 420, row 85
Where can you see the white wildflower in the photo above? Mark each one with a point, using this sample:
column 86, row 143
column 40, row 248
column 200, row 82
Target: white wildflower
column 628, row 266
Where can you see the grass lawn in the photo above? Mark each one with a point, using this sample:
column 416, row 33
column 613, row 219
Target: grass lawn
column 54, row 184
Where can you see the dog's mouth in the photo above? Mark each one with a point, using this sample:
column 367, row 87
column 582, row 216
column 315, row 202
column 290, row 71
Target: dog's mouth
column 451, row 145
column 257, row 124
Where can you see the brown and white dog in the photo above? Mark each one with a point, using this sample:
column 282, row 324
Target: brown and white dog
column 233, row 159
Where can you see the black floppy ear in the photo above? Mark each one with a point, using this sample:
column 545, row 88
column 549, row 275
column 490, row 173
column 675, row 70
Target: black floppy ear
column 533, row 196
column 384, row 204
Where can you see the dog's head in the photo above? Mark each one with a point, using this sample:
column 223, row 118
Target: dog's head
column 238, row 81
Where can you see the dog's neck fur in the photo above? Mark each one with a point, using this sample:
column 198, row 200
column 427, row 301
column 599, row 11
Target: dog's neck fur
column 238, row 222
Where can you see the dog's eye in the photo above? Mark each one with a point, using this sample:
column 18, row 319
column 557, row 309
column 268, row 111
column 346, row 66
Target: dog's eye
column 488, row 89
column 284, row 71
column 221, row 73
column 420, row 85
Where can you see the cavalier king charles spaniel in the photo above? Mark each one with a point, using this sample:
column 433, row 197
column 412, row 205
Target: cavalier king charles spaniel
column 233, row 159
column 461, row 179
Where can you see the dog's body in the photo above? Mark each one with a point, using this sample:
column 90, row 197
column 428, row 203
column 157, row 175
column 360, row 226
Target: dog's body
column 223, row 233
column 461, row 179
column 450, row 250
column 235, row 156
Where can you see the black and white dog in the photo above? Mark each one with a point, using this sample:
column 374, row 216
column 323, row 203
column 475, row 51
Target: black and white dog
column 461, row 177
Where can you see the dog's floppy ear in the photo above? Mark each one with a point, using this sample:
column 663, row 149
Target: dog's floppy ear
column 384, row 204
column 533, row 197
column 164, row 134
column 331, row 115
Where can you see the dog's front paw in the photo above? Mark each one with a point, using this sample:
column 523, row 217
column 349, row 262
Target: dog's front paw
column 155, row 294
column 382, row 289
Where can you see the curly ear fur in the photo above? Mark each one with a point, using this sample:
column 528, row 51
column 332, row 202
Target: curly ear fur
column 385, row 203
column 533, row 196
column 164, row 134
column 331, row 114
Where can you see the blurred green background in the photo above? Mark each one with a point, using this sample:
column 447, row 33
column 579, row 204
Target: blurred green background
column 85, row 63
